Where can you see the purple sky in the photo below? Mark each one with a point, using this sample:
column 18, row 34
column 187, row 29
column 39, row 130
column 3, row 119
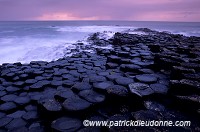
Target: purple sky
column 139, row 10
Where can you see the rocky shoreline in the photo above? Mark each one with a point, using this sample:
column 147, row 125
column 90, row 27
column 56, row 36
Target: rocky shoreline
column 154, row 76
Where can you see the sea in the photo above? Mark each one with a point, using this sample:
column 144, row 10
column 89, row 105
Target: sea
column 26, row 41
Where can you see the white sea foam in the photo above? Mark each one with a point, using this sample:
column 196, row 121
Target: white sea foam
column 28, row 49
column 91, row 29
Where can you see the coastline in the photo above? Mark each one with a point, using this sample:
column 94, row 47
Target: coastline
column 153, row 76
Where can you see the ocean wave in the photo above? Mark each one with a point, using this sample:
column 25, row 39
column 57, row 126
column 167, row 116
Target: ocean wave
column 91, row 29
column 27, row 49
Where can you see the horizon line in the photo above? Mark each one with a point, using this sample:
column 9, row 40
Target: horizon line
column 97, row 20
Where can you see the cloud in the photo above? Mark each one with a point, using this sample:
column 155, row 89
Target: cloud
column 160, row 10
column 62, row 16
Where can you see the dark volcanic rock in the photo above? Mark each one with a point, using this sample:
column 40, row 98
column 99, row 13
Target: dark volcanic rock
column 111, row 65
column 76, row 104
column 64, row 93
column 20, row 129
column 125, row 81
column 167, row 63
column 154, row 106
column 159, row 88
column 30, row 115
column 39, row 85
column 114, row 59
column 31, row 108
column 103, row 73
column 51, row 105
column 190, row 84
column 125, row 61
column 184, row 86
column 30, row 81
column 96, row 78
column 195, row 77
column 66, row 124
column 82, row 86
column 147, row 115
column 37, row 129
column 2, row 88
column 68, row 83
column 146, row 71
column 117, row 90
column 92, row 96
column 121, row 39
column 16, row 123
column 194, row 66
column 8, row 106
column 146, row 78
column 140, row 89
column 130, row 67
column 2, row 93
column 2, row 114
column 56, row 83
column 191, row 101
column 19, row 84
column 123, row 54
column 22, row 100
column 12, row 89
column 177, row 72
column 102, row 86
column 17, row 114
column 154, row 48
column 112, row 77
column 10, row 97
column 4, row 121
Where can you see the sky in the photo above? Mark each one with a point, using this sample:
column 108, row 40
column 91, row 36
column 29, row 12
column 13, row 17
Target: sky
column 132, row 10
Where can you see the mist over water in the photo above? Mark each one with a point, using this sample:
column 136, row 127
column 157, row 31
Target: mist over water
column 50, row 40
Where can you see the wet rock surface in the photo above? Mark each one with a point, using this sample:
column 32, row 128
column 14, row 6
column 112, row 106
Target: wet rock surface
column 140, row 89
column 66, row 124
column 155, row 76
column 76, row 104
column 146, row 78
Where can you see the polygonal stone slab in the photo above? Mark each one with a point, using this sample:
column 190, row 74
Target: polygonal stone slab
column 159, row 88
column 102, row 86
column 66, row 124
column 92, row 96
column 96, row 78
column 10, row 97
column 4, row 121
column 146, row 78
column 22, row 100
column 51, row 105
column 8, row 106
column 150, row 105
column 76, row 104
column 140, row 89
column 82, row 86
column 17, row 114
column 147, row 115
column 125, row 81
column 117, row 90
column 66, row 93
column 40, row 84
column 16, row 123
column 30, row 115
